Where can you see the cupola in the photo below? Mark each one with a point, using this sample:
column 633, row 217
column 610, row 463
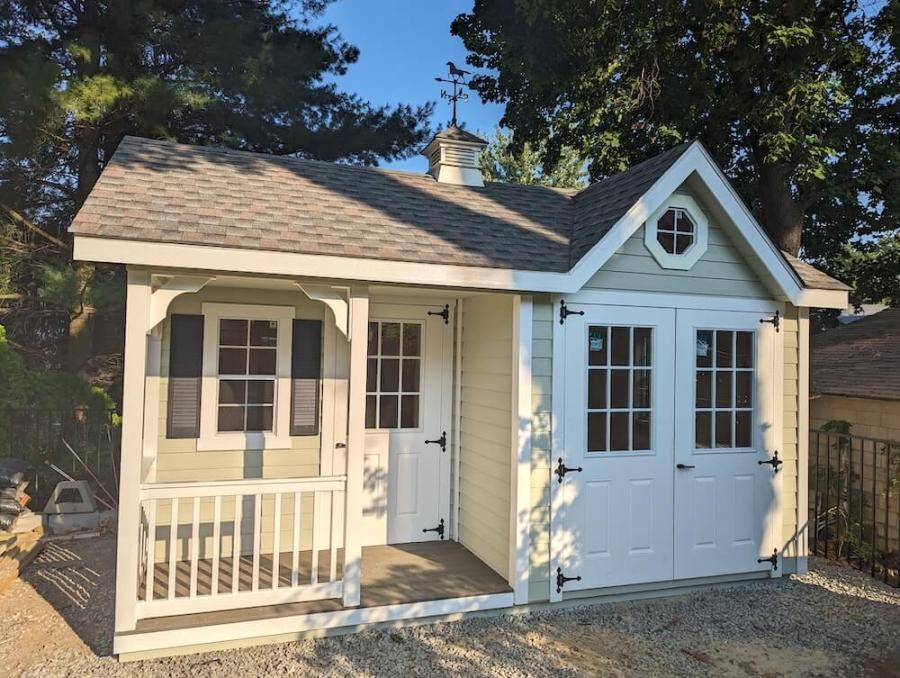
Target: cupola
column 454, row 157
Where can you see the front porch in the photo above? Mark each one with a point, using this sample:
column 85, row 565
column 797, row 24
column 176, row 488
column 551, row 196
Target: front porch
column 332, row 513
column 391, row 575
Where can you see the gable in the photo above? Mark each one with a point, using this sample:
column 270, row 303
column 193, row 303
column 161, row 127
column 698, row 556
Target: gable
column 723, row 269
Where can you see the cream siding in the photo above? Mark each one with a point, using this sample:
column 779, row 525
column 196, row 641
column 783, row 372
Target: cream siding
column 486, row 428
column 790, row 331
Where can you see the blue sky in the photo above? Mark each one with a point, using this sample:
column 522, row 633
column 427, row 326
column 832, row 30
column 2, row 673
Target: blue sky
column 403, row 45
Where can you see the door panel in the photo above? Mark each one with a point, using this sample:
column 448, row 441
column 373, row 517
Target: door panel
column 726, row 503
column 618, row 429
column 406, row 483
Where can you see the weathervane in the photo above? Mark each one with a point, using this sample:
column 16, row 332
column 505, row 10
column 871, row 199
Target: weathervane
column 458, row 80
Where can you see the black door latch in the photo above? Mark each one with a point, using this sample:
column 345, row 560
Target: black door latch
column 442, row 441
column 562, row 579
column 774, row 462
column 775, row 320
column 684, row 467
column 439, row 529
column 564, row 312
column 562, row 470
column 771, row 559
column 445, row 313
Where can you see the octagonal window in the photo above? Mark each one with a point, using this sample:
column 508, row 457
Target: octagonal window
column 675, row 231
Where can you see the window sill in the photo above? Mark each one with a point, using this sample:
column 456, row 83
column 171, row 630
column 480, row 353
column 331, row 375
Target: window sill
column 246, row 442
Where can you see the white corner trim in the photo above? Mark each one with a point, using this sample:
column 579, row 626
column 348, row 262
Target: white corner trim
column 163, row 295
column 335, row 298
column 520, row 468
column 803, row 356
column 557, row 448
column 279, row 438
column 692, row 254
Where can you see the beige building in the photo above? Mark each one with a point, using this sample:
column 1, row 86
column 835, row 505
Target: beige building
column 356, row 396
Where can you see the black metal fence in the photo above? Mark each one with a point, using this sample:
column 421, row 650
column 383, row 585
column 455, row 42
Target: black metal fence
column 83, row 443
column 854, row 502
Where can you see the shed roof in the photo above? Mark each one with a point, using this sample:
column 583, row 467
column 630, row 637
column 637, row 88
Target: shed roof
column 159, row 191
column 860, row 359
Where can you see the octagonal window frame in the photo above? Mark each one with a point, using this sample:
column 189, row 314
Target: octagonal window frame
column 692, row 254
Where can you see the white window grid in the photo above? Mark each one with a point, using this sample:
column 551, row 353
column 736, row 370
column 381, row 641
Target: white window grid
column 246, row 376
column 712, row 370
column 377, row 393
column 681, row 215
column 631, row 368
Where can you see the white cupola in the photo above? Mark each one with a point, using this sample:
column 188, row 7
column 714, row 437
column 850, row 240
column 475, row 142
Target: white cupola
column 454, row 157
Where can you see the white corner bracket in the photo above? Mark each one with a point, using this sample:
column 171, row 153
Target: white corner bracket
column 165, row 289
column 335, row 298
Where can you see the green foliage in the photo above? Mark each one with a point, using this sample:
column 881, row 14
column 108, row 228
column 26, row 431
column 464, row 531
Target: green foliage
column 21, row 388
column 798, row 102
column 502, row 161
column 76, row 77
column 873, row 270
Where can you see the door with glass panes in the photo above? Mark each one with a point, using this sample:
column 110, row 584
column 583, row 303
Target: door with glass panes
column 727, row 497
column 615, row 514
column 408, row 394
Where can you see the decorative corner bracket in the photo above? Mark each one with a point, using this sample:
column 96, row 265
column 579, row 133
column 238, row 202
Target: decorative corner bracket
column 164, row 291
column 335, row 298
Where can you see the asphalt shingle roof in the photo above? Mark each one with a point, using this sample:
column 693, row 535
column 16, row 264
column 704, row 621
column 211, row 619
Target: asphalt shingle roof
column 165, row 192
column 860, row 359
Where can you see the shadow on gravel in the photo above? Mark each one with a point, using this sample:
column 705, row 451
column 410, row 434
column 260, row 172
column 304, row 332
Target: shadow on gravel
column 77, row 578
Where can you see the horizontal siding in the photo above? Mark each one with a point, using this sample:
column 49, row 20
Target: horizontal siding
column 790, row 335
column 486, row 428
column 539, row 517
column 179, row 460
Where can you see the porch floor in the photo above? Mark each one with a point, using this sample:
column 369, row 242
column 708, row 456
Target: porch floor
column 391, row 575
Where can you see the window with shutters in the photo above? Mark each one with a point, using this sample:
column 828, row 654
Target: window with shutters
column 246, row 389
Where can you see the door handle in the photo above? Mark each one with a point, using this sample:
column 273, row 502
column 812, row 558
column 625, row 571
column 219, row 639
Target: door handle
column 684, row 467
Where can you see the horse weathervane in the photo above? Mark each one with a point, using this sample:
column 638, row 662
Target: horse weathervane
column 458, row 81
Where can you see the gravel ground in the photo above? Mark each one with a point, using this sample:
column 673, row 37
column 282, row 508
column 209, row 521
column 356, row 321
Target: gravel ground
column 833, row 621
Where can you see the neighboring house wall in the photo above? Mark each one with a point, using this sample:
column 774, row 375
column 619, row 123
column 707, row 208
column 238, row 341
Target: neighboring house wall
column 868, row 417
column 486, row 428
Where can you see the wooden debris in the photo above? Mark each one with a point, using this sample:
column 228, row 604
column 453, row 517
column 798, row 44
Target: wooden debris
column 16, row 552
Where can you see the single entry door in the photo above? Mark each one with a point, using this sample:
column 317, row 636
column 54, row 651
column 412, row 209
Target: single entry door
column 408, row 398
column 613, row 518
column 726, row 494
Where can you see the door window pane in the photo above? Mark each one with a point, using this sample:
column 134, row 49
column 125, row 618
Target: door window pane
column 619, row 388
column 394, row 375
column 724, row 382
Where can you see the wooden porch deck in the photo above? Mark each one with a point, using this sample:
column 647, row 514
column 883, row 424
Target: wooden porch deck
column 391, row 575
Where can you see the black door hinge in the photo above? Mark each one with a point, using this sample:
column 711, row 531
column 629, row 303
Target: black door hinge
column 775, row 320
column 771, row 559
column 442, row 441
column 439, row 529
column 562, row 579
column 564, row 312
column 774, row 462
column 445, row 314
column 562, row 470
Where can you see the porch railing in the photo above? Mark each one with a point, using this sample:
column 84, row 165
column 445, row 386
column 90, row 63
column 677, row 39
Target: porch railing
column 246, row 543
column 854, row 502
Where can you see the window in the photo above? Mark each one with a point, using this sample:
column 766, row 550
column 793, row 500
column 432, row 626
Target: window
column 677, row 234
column 247, row 356
column 245, row 399
column 619, row 393
column 724, row 393
column 675, row 231
column 393, row 375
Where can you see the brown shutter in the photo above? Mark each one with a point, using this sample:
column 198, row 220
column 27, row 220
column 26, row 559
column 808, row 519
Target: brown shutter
column 185, row 364
column 306, row 373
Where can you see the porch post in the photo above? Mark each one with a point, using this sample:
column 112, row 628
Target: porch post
column 137, row 308
column 356, row 431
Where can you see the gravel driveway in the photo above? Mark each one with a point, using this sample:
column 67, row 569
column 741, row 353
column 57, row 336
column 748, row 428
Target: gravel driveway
column 832, row 621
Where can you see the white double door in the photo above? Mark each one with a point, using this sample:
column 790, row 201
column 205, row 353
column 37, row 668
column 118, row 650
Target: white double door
column 406, row 488
column 667, row 413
